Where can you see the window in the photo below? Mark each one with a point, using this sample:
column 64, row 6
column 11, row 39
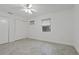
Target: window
column 46, row 25
column 46, row 28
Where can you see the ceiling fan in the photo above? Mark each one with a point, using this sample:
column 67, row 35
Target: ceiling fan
column 28, row 8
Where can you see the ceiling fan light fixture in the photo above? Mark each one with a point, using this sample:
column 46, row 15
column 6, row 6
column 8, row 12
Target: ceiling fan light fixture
column 28, row 8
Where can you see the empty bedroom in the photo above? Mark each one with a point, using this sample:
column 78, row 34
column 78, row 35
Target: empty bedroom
column 39, row 29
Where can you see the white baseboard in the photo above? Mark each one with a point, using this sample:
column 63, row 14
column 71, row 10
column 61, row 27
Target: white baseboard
column 52, row 41
column 76, row 49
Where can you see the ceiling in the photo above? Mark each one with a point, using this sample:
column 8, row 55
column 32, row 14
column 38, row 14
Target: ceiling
column 15, row 9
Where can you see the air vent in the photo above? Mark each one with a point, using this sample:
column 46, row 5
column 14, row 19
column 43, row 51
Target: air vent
column 10, row 13
column 32, row 22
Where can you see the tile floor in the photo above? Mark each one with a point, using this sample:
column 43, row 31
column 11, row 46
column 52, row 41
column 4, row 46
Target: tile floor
column 36, row 47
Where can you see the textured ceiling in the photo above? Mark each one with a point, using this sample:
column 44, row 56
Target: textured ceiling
column 15, row 9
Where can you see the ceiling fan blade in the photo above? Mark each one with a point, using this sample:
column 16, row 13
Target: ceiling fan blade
column 30, row 11
column 24, row 10
column 24, row 6
column 30, row 6
column 33, row 10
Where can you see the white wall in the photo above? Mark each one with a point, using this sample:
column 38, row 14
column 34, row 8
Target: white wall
column 76, row 27
column 62, row 31
column 3, row 30
column 21, row 29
